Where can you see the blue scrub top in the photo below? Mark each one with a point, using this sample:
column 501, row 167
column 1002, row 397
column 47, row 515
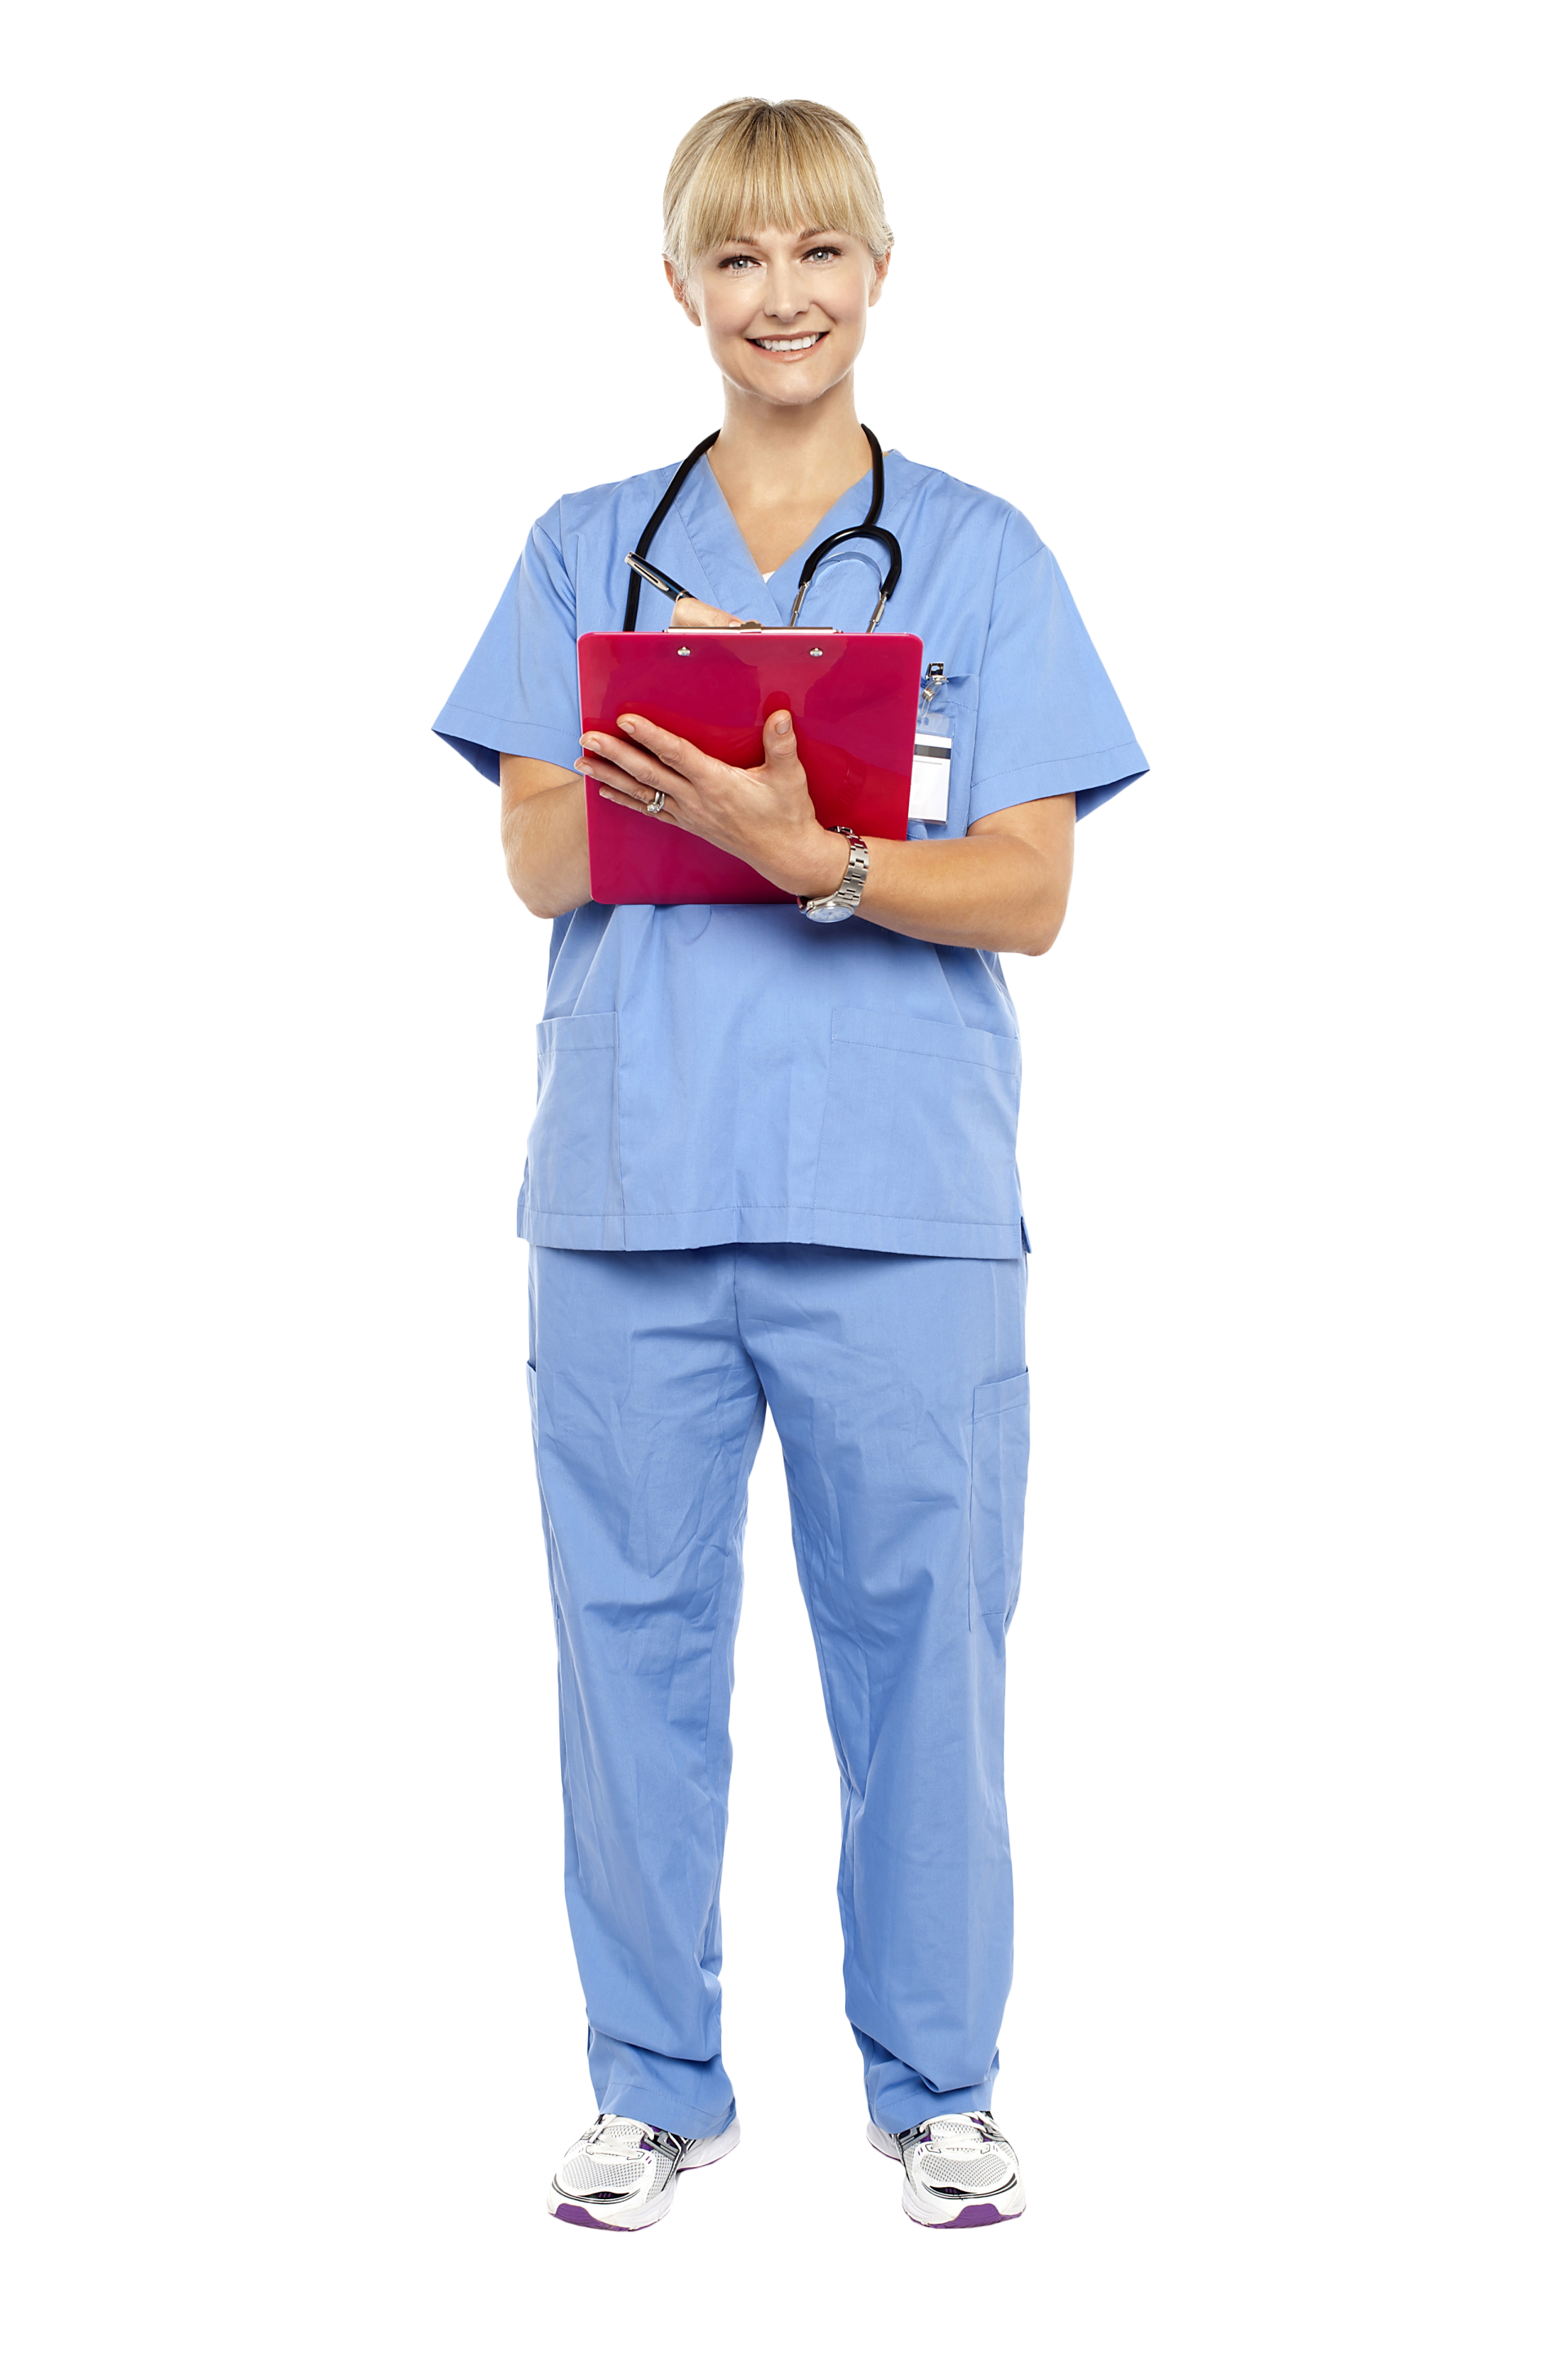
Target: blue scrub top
column 737, row 1074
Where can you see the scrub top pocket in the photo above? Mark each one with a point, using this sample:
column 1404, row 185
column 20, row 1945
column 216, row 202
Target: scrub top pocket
column 573, row 1154
column 920, row 1123
column 999, row 1471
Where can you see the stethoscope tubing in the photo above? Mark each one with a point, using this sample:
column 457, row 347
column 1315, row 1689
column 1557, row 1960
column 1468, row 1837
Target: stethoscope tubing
column 868, row 529
column 672, row 493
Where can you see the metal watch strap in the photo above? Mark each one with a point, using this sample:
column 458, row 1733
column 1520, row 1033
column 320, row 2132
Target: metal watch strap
column 836, row 905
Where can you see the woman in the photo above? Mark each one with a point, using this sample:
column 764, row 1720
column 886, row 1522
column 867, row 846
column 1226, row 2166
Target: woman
column 773, row 1167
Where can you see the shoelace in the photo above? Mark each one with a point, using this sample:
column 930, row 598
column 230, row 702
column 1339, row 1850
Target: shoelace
column 957, row 2132
column 612, row 2132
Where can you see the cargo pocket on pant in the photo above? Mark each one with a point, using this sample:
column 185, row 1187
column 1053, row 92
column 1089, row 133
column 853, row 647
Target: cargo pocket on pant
column 998, row 1476
column 536, row 1436
column 533, row 1376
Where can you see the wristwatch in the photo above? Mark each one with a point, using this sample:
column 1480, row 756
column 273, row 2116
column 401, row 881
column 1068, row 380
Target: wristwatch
column 846, row 899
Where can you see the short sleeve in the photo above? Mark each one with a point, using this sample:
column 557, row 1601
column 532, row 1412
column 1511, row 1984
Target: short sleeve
column 1048, row 721
column 518, row 691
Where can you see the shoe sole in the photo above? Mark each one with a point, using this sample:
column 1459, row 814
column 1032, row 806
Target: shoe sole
column 969, row 2217
column 977, row 2213
column 568, row 2213
column 572, row 2213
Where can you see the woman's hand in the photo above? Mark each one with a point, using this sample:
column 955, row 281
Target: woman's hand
column 763, row 815
column 691, row 614
column 1003, row 887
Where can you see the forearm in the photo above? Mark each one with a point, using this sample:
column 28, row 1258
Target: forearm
column 1002, row 886
column 984, row 891
column 545, row 835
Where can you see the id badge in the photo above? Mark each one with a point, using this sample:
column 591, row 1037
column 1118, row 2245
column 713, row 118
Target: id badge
column 928, row 778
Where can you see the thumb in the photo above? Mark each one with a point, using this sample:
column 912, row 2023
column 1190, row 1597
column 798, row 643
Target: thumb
column 779, row 740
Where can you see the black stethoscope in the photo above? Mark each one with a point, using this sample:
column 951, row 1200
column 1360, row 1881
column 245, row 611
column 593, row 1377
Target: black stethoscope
column 869, row 529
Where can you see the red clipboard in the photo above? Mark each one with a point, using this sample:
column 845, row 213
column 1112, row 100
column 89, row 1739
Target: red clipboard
column 852, row 700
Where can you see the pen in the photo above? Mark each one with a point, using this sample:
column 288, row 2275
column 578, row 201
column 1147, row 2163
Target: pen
column 660, row 580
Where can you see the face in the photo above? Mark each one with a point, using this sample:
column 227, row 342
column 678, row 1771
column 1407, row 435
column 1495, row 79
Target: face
column 784, row 310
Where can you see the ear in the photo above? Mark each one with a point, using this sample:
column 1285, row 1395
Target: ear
column 677, row 288
column 879, row 274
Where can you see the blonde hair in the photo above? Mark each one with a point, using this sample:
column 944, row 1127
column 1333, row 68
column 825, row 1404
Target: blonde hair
column 751, row 166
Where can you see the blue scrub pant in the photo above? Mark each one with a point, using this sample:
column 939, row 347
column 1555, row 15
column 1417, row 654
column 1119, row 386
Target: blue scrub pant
column 897, row 1387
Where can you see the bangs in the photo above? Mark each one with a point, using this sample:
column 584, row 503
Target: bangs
column 751, row 166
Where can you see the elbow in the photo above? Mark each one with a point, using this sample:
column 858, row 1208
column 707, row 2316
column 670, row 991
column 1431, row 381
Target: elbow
column 532, row 887
column 540, row 903
column 1040, row 932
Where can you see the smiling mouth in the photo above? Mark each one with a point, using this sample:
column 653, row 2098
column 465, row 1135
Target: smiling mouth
column 786, row 345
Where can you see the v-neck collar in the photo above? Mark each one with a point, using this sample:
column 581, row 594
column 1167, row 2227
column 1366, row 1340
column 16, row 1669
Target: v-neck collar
column 729, row 571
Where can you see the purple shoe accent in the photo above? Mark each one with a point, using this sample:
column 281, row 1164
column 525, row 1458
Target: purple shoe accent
column 569, row 2214
column 601, row 2225
column 982, row 2213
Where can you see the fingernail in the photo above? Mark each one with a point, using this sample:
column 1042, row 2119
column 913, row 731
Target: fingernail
column 629, row 726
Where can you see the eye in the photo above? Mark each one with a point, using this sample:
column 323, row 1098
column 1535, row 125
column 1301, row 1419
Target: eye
column 826, row 253
column 738, row 261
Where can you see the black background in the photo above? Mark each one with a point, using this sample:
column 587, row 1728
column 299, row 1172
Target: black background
column 1054, row 331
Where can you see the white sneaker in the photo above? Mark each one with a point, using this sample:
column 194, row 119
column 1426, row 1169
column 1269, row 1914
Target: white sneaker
column 620, row 2175
column 958, row 2170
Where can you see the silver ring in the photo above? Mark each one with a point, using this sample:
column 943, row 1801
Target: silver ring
column 656, row 805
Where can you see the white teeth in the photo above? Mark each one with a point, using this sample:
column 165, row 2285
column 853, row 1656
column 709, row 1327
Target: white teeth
column 790, row 343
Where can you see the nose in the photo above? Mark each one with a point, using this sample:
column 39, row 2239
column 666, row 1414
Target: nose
column 786, row 296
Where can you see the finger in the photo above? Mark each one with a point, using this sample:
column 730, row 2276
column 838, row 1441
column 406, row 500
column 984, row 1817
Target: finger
column 691, row 614
column 638, row 759
column 780, row 753
column 666, row 817
column 632, row 793
column 613, row 763
column 662, row 744
column 780, row 741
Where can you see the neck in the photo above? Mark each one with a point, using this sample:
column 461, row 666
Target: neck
column 766, row 454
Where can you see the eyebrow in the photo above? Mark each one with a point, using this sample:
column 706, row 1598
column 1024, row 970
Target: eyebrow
column 803, row 237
